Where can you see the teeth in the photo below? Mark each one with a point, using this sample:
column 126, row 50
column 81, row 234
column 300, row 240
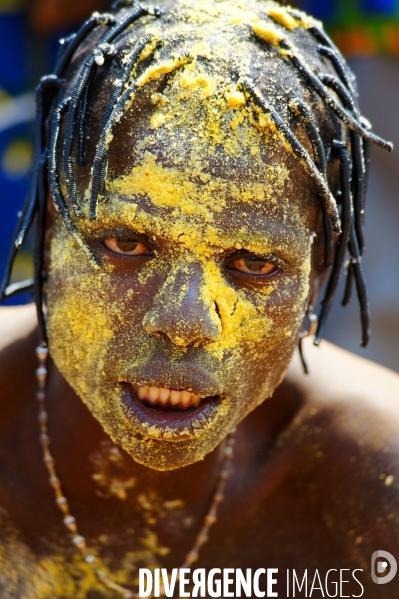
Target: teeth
column 159, row 396
column 185, row 398
column 142, row 392
column 175, row 397
column 164, row 395
column 153, row 394
column 195, row 400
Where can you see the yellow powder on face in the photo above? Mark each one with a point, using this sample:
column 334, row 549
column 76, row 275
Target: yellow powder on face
column 192, row 79
column 148, row 49
column 154, row 72
column 202, row 126
column 172, row 188
column 157, row 120
column 241, row 321
column 235, row 98
column 267, row 33
column 165, row 187
column 200, row 102
column 70, row 322
column 281, row 16
column 236, row 122
column 266, row 121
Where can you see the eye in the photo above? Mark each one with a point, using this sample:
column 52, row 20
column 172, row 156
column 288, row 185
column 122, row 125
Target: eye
column 253, row 265
column 127, row 247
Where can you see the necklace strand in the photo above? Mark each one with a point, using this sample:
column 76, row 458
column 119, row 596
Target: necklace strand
column 69, row 521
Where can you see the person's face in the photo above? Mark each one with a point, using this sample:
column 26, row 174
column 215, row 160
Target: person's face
column 206, row 269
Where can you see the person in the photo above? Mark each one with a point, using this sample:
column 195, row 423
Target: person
column 200, row 172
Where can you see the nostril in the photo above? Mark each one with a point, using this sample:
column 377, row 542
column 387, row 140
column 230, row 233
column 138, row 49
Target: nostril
column 217, row 310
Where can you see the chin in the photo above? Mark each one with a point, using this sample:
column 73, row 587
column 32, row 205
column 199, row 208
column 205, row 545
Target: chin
column 164, row 455
column 165, row 439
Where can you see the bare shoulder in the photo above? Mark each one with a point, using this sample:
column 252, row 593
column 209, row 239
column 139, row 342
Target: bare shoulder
column 360, row 398
column 345, row 440
column 337, row 374
column 18, row 337
column 16, row 322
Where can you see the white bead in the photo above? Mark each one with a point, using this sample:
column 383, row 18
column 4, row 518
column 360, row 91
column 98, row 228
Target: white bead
column 224, row 475
column 42, row 352
column 79, row 541
column 90, row 559
column 99, row 60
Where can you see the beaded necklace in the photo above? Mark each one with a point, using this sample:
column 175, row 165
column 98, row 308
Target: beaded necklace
column 69, row 521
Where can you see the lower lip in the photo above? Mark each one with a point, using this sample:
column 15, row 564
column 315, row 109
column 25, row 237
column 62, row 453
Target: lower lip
column 180, row 424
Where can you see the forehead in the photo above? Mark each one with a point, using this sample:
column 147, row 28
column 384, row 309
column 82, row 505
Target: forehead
column 199, row 212
column 193, row 149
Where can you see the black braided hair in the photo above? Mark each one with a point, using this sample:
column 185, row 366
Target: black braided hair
column 62, row 111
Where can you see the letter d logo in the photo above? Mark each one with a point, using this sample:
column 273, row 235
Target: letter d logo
column 382, row 567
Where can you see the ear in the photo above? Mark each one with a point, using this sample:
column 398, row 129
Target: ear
column 317, row 284
column 320, row 272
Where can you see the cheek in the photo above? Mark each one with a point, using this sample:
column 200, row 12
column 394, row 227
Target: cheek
column 79, row 325
column 243, row 320
column 261, row 334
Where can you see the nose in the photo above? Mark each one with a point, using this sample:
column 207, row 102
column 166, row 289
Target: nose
column 181, row 312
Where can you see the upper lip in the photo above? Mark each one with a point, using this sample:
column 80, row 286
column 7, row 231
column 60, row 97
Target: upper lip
column 159, row 373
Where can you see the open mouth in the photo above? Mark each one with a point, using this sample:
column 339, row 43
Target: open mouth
column 160, row 398
column 171, row 414
column 171, row 402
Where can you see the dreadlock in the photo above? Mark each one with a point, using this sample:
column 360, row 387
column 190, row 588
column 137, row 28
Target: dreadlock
column 62, row 110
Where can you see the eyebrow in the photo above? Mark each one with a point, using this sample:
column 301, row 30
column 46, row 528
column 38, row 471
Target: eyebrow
column 266, row 236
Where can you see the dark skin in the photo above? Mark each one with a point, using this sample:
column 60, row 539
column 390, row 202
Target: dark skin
column 306, row 492
column 315, row 465
column 286, row 506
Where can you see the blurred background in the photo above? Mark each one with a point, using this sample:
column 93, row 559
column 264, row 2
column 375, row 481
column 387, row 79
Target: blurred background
column 366, row 31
